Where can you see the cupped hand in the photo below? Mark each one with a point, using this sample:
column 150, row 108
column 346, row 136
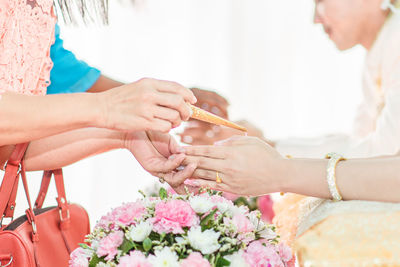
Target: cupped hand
column 147, row 104
column 246, row 165
column 160, row 155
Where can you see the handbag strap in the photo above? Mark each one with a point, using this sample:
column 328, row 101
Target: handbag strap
column 59, row 180
column 9, row 185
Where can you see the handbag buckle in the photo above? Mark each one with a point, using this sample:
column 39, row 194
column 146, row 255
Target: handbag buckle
column 61, row 216
column 9, row 263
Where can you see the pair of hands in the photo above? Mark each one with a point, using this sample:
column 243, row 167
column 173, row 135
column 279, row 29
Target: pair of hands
column 151, row 108
column 246, row 165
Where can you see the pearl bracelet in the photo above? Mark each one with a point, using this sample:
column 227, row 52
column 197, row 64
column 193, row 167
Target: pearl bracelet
column 331, row 175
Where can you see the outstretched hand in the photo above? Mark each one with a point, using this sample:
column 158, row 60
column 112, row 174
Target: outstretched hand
column 160, row 155
column 246, row 166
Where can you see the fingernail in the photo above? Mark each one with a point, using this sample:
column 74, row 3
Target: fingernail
column 194, row 99
column 172, row 157
column 180, row 168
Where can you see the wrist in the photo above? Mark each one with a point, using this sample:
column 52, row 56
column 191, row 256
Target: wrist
column 129, row 138
column 287, row 167
column 99, row 110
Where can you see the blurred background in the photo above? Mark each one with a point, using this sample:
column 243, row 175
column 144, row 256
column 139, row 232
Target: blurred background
column 277, row 69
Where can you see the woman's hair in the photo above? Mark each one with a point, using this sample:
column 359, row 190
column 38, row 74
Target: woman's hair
column 86, row 11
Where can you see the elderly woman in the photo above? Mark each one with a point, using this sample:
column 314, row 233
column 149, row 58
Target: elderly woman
column 249, row 166
column 376, row 126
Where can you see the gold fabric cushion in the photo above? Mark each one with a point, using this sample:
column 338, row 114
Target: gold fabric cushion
column 349, row 233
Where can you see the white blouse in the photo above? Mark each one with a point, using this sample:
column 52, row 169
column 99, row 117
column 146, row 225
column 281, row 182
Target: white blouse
column 377, row 125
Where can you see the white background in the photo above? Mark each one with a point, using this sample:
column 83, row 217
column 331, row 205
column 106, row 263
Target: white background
column 275, row 66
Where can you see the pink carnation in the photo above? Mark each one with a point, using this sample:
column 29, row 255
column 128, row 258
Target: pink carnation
column 195, row 259
column 108, row 246
column 262, row 255
column 128, row 213
column 134, row 259
column 171, row 216
column 125, row 215
column 79, row 258
column 265, row 204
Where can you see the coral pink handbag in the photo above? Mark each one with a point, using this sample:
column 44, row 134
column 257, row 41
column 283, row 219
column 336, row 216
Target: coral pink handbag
column 44, row 236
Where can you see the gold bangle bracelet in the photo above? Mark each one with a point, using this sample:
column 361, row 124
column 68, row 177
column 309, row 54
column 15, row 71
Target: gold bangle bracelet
column 334, row 158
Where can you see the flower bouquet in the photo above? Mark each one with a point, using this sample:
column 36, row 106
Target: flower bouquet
column 182, row 230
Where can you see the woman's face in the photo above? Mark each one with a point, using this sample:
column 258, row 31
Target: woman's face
column 345, row 20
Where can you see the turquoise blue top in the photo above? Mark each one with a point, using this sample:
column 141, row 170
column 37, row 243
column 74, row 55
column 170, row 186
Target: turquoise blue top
column 69, row 75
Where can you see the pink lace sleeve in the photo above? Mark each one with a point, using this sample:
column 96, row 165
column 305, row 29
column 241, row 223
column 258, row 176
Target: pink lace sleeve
column 26, row 35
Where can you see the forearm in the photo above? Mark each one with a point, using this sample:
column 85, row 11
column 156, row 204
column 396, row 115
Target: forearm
column 103, row 84
column 63, row 149
column 25, row 118
column 375, row 179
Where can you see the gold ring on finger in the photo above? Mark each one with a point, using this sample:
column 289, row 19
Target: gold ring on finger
column 218, row 179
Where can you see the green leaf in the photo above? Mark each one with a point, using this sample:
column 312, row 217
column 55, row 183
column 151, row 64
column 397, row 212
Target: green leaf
column 206, row 221
column 147, row 244
column 85, row 246
column 95, row 260
column 162, row 236
column 127, row 245
column 163, row 193
column 223, row 262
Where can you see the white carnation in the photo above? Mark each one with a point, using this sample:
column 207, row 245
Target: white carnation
column 201, row 204
column 164, row 258
column 206, row 242
column 141, row 231
column 237, row 260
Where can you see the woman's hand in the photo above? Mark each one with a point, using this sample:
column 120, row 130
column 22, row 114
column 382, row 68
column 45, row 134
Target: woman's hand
column 211, row 101
column 147, row 104
column 196, row 133
column 246, row 165
column 159, row 154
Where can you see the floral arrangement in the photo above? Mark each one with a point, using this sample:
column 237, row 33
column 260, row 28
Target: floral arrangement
column 204, row 230
column 262, row 203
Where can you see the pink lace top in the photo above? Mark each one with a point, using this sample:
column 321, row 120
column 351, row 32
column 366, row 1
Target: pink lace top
column 26, row 35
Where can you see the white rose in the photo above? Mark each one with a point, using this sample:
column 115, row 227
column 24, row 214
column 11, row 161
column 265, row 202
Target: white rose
column 164, row 258
column 201, row 204
column 206, row 242
column 141, row 231
column 237, row 260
